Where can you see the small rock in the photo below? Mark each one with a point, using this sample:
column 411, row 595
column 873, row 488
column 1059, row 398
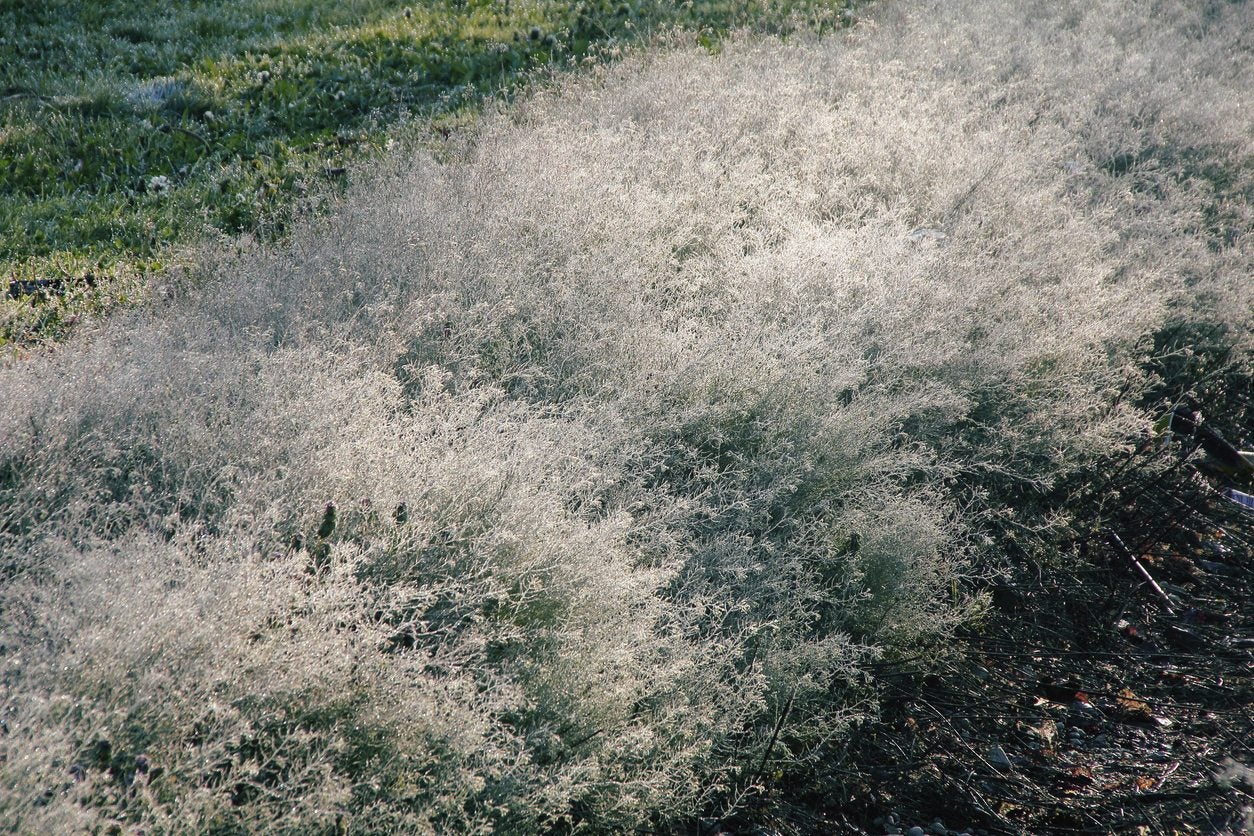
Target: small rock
column 1182, row 638
column 915, row 831
column 1044, row 733
column 938, row 828
column 998, row 759
column 1217, row 568
column 1085, row 713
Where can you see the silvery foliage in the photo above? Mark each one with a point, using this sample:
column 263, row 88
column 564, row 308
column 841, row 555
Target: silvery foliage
column 699, row 378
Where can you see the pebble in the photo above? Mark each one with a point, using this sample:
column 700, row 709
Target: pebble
column 1217, row 568
column 1085, row 713
column 915, row 831
column 997, row 757
column 938, row 828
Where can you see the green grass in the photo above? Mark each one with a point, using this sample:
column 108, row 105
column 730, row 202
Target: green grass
column 128, row 127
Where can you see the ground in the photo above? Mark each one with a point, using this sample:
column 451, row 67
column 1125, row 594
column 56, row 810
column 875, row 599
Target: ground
column 1098, row 696
column 1105, row 688
column 129, row 131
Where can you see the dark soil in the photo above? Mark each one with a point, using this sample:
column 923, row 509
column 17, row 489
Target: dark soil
column 1089, row 701
column 1110, row 689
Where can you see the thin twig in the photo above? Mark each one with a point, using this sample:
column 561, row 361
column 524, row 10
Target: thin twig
column 1122, row 549
column 192, row 134
column 779, row 724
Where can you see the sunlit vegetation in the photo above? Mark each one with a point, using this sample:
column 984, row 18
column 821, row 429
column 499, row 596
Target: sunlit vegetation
column 578, row 476
column 129, row 127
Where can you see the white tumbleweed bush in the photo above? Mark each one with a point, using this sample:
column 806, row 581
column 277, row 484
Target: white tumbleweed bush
column 676, row 394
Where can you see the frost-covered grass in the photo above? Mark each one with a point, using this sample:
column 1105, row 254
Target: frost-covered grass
column 132, row 128
column 671, row 399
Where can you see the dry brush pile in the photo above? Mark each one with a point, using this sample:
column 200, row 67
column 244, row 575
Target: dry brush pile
column 649, row 416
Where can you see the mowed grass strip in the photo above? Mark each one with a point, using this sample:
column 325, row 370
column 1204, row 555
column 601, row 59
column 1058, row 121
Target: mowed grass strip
column 129, row 126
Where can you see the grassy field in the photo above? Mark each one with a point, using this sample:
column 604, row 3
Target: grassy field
column 129, row 127
column 599, row 470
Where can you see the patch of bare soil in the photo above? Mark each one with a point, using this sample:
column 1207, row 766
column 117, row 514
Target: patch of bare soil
column 1109, row 690
column 1109, row 693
